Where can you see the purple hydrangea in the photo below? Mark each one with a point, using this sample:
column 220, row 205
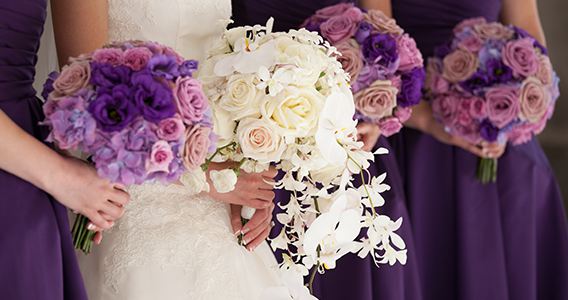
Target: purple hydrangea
column 411, row 87
column 381, row 48
column 72, row 126
column 113, row 109
column 154, row 99
column 48, row 85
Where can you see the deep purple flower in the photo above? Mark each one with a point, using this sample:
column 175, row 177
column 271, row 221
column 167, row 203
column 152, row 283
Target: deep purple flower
column 106, row 76
column 497, row 71
column 188, row 67
column 380, row 47
column 113, row 109
column 363, row 32
column 411, row 87
column 476, row 82
column 488, row 132
column 48, row 85
column 521, row 33
column 153, row 99
column 312, row 25
column 163, row 66
column 443, row 50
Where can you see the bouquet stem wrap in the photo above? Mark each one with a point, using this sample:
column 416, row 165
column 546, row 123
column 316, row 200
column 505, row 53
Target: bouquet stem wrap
column 82, row 237
column 487, row 170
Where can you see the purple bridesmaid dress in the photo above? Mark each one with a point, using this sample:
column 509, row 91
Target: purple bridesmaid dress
column 37, row 259
column 353, row 278
column 499, row 241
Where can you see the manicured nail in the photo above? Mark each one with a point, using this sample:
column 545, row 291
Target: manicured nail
column 91, row 227
column 245, row 230
column 237, row 233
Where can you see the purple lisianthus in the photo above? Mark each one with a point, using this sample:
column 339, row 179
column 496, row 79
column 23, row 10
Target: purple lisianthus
column 164, row 66
column 411, row 87
column 497, row 71
column 187, row 68
column 153, row 99
column 363, row 32
column 113, row 109
column 107, row 76
column 48, row 85
column 381, row 48
column 488, row 131
column 476, row 82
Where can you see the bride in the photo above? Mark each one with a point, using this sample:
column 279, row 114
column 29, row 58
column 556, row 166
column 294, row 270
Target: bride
column 171, row 243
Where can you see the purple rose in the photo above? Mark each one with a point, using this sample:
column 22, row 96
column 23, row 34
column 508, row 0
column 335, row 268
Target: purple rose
column 171, row 129
column 137, row 58
column 342, row 27
column 196, row 146
column 411, row 87
column 153, row 99
column 520, row 56
column 48, row 85
column 106, row 76
column 363, row 32
column 111, row 56
column 164, row 66
column 488, row 132
column 502, row 105
column 73, row 77
column 471, row 43
column 410, row 56
column 72, row 127
column 520, row 134
column 190, row 99
column 381, row 48
column 187, row 68
column 326, row 13
column 389, row 126
column 113, row 109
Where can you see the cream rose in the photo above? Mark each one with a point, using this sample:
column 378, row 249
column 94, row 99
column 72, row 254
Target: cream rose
column 224, row 181
column 241, row 98
column 534, row 100
column 459, row 65
column 259, row 142
column 351, row 58
column 378, row 100
column 224, row 126
column 309, row 62
column 294, row 111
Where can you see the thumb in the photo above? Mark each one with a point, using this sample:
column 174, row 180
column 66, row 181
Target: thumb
column 236, row 218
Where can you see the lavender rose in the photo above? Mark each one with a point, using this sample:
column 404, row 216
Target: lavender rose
column 535, row 100
column 471, row 43
column 339, row 28
column 520, row 56
column 445, row 108
column 73, row 77
column 335, row 10
column 502, row 105
column 171, row 129
column 351, row 58
column 477, row 108
column 410, row 56
column 403, row 113
column 137, row 58
column 196, row 146
column 459, row 65
column 153, row 99
column 111, row 56
column 389, row 126
column 381, row 23
column 113, row 109
column 191, row 102
column 378, row 100
column 468, row 23
column 544, row 73
column 494, row 31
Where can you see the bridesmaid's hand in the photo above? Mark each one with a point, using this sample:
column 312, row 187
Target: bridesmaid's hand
column 252, row 189
column 256, row 230
column 77, row 186
column 369, row 134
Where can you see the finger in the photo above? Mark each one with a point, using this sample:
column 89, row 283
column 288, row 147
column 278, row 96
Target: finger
column 93, row 227
column 119, row 186
column 236, row 218
column 98, row 238
column 107, row 217
column 260, row 217
column 251, row 246
column 270, row 173
column 256, row 203
column 367, row 143
column 119, row 196
column 113, row 211
column 98, row 221
column 264, row 194
column 255, row 232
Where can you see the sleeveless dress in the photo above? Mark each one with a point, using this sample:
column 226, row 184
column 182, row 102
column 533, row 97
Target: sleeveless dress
column 37, row 260
column 500, row 241
column 172, row 244
column 353, row 278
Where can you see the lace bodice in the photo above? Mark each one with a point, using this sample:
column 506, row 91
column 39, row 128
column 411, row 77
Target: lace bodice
column 189, row 26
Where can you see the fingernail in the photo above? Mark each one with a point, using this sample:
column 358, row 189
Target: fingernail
column 111, row 224
column 237, row 233
column 91, row 227
column 245, row 230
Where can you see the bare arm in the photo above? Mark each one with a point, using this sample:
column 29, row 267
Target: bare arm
column 382, row 5
column 79, row 26
column 523, row 14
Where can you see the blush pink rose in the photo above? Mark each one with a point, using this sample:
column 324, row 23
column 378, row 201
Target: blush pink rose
column 326, row 13
column 520, row 134
column 389, row 126
column 477, row 109
column 445, row 108
column 434, row 81
column 340, row 28
column 73, row 77
column 403, row 113
column 351, row 58
column 471, row 43
column 535, row 100
column 378, row 100
column 112, row 56
column 171, row 129
column 137, row 58
column 190, row 100
column 459, row 65
column 544, row 73
column 410, row 56
column 196, row 146
column 160, row 158
column 382, row 23
column 468, row 23
column 539, row 126
column 502, row 105
column 521, row 57
column 493, row 31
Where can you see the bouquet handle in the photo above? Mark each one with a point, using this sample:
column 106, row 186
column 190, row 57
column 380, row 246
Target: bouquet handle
column 82, row 236
column 487, row 170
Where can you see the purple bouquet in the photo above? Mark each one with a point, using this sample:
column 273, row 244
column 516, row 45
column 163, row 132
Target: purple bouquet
column 492, row 83
column 385, row 66
column 134, row 109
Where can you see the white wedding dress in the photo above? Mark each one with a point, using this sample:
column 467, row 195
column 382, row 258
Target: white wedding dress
column 171, row 244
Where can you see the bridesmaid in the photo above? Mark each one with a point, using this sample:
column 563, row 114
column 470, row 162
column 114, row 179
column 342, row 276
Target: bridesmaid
column 353, row 278
column 499, row 241
column 36, row 253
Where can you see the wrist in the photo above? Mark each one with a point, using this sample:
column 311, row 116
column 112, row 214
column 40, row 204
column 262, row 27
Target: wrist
column 54, row 173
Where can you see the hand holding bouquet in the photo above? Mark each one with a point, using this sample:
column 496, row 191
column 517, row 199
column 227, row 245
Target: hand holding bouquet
column 492, row 83
column 135, row 111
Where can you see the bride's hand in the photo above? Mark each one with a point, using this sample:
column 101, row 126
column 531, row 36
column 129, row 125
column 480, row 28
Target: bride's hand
column 252, row 189
column 257, row 229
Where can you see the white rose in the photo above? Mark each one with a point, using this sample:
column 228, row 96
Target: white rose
column 195, row 181
column 309, row 61
column 241, row 98
column 259, row 142
column 223, row 126
column 294, row 111
column 224, row 181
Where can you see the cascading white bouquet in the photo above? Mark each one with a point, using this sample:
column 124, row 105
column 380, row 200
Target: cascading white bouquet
column 282, row 98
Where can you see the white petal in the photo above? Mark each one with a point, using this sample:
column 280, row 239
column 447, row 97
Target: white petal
column 381, row 151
